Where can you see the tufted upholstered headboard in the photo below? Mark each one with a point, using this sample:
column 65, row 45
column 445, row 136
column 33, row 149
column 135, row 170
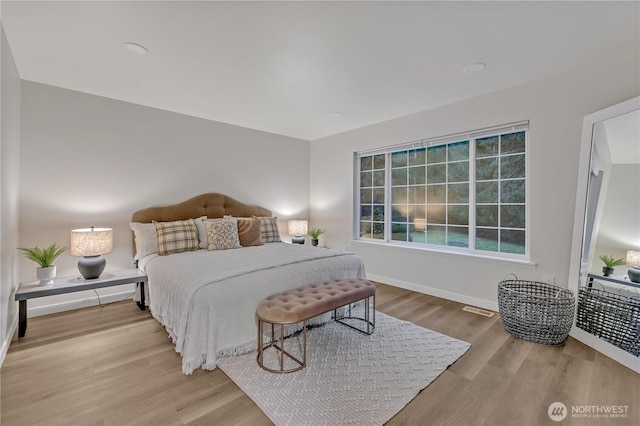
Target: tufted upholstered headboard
column 212, row 205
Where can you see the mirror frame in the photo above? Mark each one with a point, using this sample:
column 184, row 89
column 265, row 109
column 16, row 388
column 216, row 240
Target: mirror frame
column 588, row 125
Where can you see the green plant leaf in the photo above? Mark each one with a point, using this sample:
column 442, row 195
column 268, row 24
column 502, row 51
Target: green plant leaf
column 315, row 232
column 43, row 257
column 610, row 261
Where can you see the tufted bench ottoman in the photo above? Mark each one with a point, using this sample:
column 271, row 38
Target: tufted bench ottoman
column 300, row 304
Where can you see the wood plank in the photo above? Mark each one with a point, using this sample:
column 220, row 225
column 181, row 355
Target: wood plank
column 526, row 399
column 511, row 354
column 115, row 365
column 435, row 402
column 475, row 403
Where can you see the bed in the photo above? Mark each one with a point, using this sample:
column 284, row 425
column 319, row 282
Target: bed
column 206, row 297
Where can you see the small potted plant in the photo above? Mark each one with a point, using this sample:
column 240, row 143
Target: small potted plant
column 45, row 258
column 314, row 233
column 610, row 262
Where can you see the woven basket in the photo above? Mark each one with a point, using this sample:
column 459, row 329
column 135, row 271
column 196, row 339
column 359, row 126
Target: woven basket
column 611, row 317
column 534, row 311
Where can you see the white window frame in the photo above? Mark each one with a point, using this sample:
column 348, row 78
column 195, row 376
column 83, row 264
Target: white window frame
column 471, row 136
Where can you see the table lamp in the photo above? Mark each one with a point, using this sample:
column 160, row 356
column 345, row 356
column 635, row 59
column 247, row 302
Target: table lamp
column 298, row 228
column 633, row 260
column 91, row 243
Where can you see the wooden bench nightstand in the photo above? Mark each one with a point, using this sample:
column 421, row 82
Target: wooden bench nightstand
column 32, row 290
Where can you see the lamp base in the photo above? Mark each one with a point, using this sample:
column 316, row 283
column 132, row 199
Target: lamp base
column 297, row 239
column 91, row 267
column 634, row 274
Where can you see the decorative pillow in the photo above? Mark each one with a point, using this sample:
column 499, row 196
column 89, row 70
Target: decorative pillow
column 202, row 232
column 222, row 234
column 269, row 229
column 176, row 237
column 146, row 239
column 249, row 232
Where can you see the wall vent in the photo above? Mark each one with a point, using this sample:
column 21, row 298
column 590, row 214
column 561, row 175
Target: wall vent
column 478, row 311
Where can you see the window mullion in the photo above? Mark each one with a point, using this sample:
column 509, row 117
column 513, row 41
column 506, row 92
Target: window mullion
column 387, row 198
column 446, row 203
column 356, row 194
column 472, row 194
column 500, row 228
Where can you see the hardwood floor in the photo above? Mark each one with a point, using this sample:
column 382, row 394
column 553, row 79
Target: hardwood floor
column 116, row 366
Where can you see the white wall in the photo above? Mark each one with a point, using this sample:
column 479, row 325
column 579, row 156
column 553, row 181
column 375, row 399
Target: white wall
column 619, row 228
column 9, row 179
column 555, row 107
column 87, row 160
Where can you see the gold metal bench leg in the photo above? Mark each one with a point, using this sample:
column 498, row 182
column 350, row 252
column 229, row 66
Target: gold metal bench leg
column 281, row 347
column 371, row 325
column 304, row 356
column 260, row 355
column 278, row 344
column 366, row 314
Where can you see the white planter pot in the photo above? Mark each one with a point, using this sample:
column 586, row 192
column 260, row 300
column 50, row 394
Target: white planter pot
column 46, row 275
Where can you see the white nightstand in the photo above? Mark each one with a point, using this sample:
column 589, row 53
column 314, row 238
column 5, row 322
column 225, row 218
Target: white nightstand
column 32, row 290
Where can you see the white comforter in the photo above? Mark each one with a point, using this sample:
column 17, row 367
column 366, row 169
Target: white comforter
column 207, row 300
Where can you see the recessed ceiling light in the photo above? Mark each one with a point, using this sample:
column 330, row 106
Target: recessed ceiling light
column 474, row 68
column 135, row 48
column 336, row 114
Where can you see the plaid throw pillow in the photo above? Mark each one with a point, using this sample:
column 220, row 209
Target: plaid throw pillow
column 269, row 229
column 176, row 237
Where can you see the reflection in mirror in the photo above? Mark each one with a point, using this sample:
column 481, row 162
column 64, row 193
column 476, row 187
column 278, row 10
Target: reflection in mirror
column 613, row 203
column 609, row 301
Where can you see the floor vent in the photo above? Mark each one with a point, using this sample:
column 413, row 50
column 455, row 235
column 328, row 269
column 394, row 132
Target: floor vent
column 478, row 311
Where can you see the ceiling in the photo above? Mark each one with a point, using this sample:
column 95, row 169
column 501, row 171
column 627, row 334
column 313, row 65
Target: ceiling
column 291, row 67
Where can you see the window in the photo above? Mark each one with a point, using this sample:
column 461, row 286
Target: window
column 464, row 192
column 372, row 196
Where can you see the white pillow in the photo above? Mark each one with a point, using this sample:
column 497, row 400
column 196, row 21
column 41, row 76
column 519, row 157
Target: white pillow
column 146, row 239
column 222, row 234
column 202, row 232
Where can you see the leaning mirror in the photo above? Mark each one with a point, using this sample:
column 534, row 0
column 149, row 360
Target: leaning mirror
column 608, row 227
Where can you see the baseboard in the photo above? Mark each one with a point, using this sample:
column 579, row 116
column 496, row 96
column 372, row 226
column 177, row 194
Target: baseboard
column 53, row 308
column 456, row 297
column 7, row 339
column 615, row 353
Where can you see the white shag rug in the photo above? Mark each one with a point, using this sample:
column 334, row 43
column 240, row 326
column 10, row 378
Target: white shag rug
column 350, row 378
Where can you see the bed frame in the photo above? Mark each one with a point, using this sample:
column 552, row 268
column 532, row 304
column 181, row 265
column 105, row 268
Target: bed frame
column 212, row 205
